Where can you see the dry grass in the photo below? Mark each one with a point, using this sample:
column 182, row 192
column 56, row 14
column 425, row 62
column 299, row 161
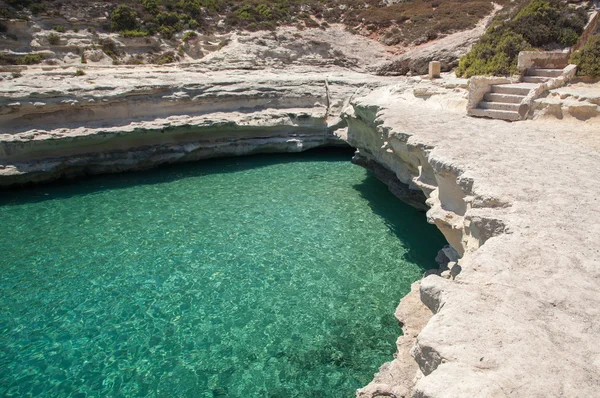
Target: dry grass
column 418, row 21
column 411, row 21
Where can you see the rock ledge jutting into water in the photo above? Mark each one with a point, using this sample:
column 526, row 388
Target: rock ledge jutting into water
column 519, row 202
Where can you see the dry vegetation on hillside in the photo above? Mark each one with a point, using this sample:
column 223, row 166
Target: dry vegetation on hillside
column 407, row 22
column 535, row 24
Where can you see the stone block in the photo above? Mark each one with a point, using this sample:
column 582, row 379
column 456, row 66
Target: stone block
column 434, row 69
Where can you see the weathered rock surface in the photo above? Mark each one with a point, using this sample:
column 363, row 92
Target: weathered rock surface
column 56, row 125
column 576, row 101
column 519, row 202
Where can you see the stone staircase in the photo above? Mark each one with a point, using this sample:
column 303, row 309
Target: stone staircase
column 505, row 101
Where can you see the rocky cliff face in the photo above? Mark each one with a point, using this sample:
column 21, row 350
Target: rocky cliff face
column 121, row 120
column 514, row 315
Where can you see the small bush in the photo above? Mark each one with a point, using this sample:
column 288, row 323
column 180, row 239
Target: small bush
column 133, row 33
column 166, row 31
column 79, row 72
column 32, row 59
column 588, row 58
column 167, row 19
column 166, row 58
column 191, row 7
column 193, row 24
column 123, row 18
column 109, row 47
column 37, row 8
column 16, row 75
column 59, row 29
column 53, row 39
column 83, row 59
column 187, row 36
column 493, row 55
column 151, row 6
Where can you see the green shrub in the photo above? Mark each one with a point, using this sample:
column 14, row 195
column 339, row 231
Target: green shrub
column 28, row 59
column 32, row 59
column 59, row 29
column 109, row 47
column 544, row 24
column 166, row 31
column 16, row 75
column 37, row 8
column 494, row 54
column 83, row 59
column 588, row 58
column 166, row 58
column 79, row 72
column 133, row 33
column 123, row 18
column 151, row 6
column 167, row 19
column 53, row 39
column 193, row 24
column 187, row 36
column 191, row 7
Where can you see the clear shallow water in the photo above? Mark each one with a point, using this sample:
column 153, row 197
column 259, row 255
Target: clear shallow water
column 271, row 276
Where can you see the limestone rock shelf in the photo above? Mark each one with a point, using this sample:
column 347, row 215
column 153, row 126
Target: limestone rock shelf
column 116, row 120
column 516, row 315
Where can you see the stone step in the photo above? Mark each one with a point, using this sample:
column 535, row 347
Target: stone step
column 535, row 79
column 495, row 114
column 500, row 106
column 544, row 72
column 517, row 88
column 504, row 98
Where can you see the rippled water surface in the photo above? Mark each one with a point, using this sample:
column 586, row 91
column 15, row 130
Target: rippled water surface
column 271, row 276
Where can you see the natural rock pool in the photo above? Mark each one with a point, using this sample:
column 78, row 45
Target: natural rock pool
column 267, row 276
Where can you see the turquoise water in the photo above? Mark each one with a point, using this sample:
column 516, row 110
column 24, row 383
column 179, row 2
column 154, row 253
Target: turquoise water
column 271, row 276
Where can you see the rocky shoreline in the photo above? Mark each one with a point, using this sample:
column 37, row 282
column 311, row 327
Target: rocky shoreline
column 514, row 312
